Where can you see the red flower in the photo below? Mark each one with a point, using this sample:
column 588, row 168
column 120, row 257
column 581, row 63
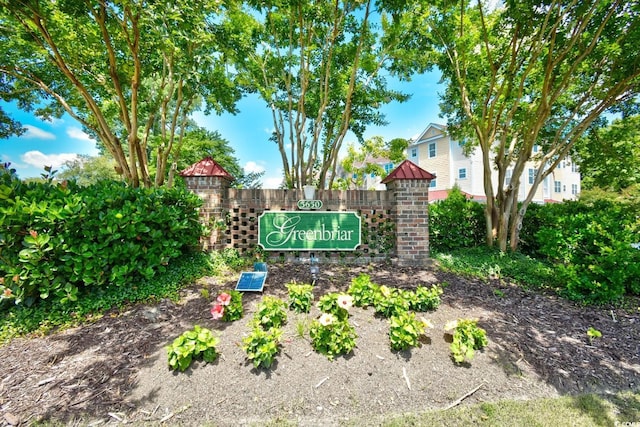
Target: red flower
column 33, row 233
column 224, row 299
column 217, row 311
column 7, row 292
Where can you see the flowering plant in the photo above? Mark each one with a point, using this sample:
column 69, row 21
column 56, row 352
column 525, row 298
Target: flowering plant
column 363, row 290
column 271, row 313
column 332, row 336
column 196, row 343
column 467, row 337
column 405, row 330
column 262, row 346
column 423, row 298
column 228, row 306
column 390, row 301
column 336, row 304
column 300, row 297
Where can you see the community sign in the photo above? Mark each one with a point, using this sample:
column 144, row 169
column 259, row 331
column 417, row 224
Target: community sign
column 303, row 231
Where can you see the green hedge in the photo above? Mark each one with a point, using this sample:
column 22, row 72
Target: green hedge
column 456, row 223
column 590, row 244
column 59, row 240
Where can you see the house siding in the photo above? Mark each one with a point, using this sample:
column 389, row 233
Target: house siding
column 450, row 158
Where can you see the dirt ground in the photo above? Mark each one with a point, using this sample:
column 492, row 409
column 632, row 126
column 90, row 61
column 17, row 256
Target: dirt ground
column 115, row 370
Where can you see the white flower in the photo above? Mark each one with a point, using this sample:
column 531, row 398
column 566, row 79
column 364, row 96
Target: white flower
column 450, row 325
column 326, row 319
column 427, row 323
column 345, row 301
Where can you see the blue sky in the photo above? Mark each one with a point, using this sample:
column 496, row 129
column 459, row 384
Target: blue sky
column 52, row 143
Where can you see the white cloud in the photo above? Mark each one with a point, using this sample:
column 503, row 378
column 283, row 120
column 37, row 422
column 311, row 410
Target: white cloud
column 251, row 166
column 272, row 182
column 37, row 133
column 40, row 160
column 77, row 133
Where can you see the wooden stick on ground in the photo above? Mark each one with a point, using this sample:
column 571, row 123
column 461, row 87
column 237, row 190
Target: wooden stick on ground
column 406, row 378
column 460, row 399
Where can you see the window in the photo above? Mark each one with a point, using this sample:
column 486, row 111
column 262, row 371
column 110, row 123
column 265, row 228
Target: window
column 557, row 186
column 414, row 152
column 432, row 184
column 574, row 189
column 507, row 178
column 372, row 175
column 532, row 175
column 432, row 149
column 388, row 167
column 355, row 176
column 574, row 167
column 536, row 148
column 462, row 173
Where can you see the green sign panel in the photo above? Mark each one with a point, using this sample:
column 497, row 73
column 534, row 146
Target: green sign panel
column 305, row 231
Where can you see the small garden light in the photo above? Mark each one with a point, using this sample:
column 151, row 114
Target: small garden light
column 314, row 269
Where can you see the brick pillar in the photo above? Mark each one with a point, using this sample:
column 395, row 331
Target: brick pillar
column 411, row 212
column 214, row 192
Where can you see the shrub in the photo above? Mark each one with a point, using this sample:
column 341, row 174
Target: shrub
column 228, row 306
column 363, row 290
column 300, row 297
column 271, row 313
column 262, row 346
column 336, row 304
column 591, row 246
column 405, row 330
column 467, row 337
column 390, row 301
column 60, row 240
column 456, row 223
column 331, row 336
column 196, row 343
column 424, row 299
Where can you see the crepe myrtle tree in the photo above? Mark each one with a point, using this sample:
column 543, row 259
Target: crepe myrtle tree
column 322, row 70
column 128, row 71
column 532, row 72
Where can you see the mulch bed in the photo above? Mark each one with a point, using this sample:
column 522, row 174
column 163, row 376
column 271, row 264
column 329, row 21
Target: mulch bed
column 115, row 370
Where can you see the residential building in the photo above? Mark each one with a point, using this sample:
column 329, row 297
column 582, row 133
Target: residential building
column 370, row 181
column 435, row 151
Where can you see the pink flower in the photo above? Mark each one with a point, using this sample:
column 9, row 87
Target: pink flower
column 345, row 301
column 217, row 311
column 224, row 299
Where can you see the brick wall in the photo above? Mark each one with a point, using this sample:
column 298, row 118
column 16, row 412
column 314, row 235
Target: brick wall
column 412, row 220
column 394, row 222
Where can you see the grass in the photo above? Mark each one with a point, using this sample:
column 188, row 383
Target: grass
column 584, row 411
column 485, row 263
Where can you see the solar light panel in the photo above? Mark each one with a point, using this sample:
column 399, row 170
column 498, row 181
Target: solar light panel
column 251, row 281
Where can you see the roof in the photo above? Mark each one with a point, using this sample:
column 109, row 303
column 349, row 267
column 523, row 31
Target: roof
column 206, row 167
column 408, row 170
column 419, row 137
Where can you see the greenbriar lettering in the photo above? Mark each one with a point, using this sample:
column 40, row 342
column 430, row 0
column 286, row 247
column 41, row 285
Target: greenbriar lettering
column 301, row 230
column 286, row 231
